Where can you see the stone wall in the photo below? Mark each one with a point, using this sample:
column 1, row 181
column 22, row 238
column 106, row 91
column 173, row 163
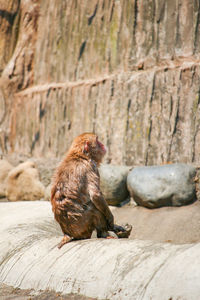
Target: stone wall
column 128, row 70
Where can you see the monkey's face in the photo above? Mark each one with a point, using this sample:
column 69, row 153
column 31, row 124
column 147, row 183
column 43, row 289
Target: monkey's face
column 89, row 145
column 101, row 147
column 95, row 149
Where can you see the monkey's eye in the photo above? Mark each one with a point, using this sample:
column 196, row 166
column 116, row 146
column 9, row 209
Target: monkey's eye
column 98, row 143
column 86, row 147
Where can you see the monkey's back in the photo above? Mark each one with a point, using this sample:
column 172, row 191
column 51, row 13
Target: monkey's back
column 70, row 184
column 69, row 195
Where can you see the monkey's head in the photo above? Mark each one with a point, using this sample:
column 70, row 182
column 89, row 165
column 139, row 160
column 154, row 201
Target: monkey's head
column 87, row 144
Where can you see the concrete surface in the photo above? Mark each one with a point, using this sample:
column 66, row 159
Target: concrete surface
column 105, row 269
column 179, row 225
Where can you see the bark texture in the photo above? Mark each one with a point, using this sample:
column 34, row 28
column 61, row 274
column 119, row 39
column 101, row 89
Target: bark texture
column 129, row 70
column 9, row 24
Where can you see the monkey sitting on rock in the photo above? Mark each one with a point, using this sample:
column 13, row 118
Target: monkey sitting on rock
column 77, row 202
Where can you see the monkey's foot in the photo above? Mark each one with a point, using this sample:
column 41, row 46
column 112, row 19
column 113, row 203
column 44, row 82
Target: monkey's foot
column 112, row 235
column 123, row 232
column 107, row 235
column 66, row 239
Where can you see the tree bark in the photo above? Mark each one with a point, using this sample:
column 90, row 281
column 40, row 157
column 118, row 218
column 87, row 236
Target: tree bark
column 128, row 70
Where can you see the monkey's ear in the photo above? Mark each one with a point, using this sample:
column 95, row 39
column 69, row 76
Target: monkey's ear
column 86, row 147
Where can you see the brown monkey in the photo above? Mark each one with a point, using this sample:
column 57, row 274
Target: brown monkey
column 77, row 202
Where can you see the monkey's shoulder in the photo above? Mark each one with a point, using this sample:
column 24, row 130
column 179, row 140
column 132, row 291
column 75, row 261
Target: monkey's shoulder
column 72, row 178
column 76, row 167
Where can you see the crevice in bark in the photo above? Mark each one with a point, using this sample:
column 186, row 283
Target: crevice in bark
column 150, row 120
column 174, row 122
column 10, row 17
column 177, row 40
column 128, row 111
column 112, row 10
column 108, row 143
column 196, row 129
column 112, row 89
column 162, row 12
column 42, row 111
column 90, row 19
column 135, row 17
column 82, row 48
column 196, row 38
column 36, row 138
column 3, row 111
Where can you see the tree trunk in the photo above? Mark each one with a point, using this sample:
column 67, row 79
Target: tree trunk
column 128, row 70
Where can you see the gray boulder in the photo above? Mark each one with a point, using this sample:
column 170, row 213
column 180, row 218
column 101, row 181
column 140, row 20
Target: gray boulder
column 197, row 181
column 46, row 168
column 157, row 186
column 113, row 183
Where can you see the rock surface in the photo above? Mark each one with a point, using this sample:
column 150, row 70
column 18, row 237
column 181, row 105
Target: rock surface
column 157, row 186
column 105, row 269
column 23, row 183
column 11, row 293
column 113, row 183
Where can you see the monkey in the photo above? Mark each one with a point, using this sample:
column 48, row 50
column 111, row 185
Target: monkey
column 77, row 201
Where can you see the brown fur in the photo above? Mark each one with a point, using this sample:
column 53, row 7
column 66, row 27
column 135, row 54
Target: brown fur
column 77, row 202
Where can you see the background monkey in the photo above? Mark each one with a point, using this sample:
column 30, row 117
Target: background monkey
column 77, row 202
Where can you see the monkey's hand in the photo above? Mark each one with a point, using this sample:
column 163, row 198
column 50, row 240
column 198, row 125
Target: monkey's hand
column 122, row 232
column 118, row 228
